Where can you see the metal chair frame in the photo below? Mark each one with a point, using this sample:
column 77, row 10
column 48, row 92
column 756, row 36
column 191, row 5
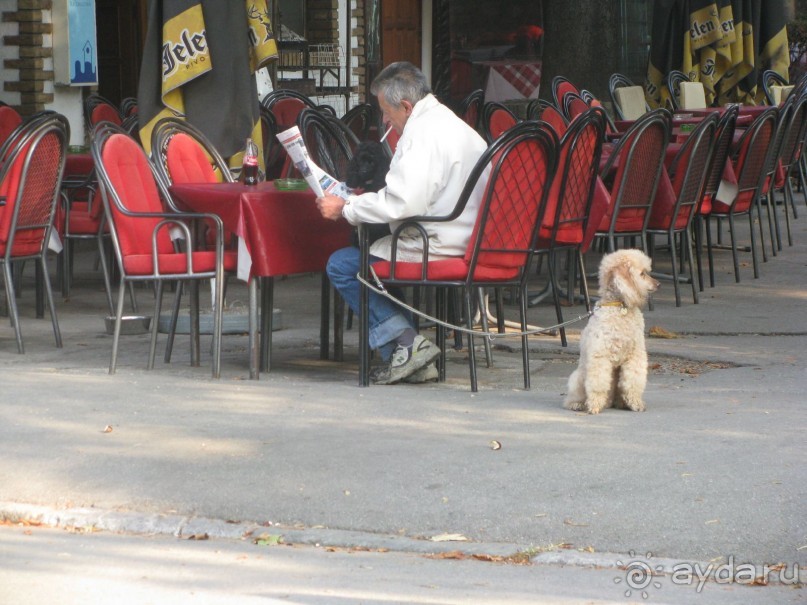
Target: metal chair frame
column 529, row 149
column 693, row 160
column 35, row 164
column 116, row 205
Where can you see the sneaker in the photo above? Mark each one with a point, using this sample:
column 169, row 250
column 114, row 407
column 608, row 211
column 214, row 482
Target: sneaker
column 408, row 360
column 425, row 374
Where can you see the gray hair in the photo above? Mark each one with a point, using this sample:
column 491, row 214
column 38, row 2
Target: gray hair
column 400, row 81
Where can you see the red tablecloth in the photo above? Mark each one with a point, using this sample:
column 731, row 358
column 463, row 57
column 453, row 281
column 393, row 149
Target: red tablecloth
column 282, row 231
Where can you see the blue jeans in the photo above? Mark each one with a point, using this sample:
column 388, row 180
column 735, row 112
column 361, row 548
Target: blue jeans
column 387, row 320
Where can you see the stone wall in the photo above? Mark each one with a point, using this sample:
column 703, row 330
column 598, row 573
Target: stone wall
column 572, row 25
column 27, row 58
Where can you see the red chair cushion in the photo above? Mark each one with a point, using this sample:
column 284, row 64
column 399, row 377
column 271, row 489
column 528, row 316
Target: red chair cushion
column 105, row 113
column 176, row 263
column 187, row 161
column 455, row 269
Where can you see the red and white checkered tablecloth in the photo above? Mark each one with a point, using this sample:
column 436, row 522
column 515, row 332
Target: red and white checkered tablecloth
column 512, row 79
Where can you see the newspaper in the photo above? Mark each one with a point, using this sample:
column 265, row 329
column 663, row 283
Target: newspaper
column 320, row 181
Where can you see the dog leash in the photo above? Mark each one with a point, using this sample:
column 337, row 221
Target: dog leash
column 379, row 289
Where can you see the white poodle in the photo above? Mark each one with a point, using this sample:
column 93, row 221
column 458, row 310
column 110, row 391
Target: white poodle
column 613, row 358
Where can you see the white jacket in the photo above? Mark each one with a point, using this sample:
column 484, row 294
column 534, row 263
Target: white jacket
column 433, row 158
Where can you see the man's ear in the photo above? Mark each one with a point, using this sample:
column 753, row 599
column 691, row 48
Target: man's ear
column 408, row 107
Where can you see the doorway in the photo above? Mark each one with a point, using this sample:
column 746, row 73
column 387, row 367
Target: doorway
column 121, row 31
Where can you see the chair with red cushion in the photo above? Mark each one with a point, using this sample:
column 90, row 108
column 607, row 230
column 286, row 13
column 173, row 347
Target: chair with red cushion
column 181, row 153
column 495, row 120
column 633, row 170
column 545, row 111
column 141, row 229
column 29, row 184
column 724, row 137
column 286, row 106
column 688, row 173
column 560, row 86
column 791, row 124
column 521, row 164
column 470, row 108
column 569, row 201
column 362, row 119
column 749, row 160
column 573, row 105
column 100, row 109
column 10, row 119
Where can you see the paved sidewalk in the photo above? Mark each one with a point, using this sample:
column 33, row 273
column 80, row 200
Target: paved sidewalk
column 712, row 472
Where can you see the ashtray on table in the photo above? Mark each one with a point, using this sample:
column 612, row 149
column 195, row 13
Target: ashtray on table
column 290, row 184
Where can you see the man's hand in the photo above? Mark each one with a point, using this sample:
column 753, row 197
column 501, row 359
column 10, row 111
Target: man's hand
column 330, row 206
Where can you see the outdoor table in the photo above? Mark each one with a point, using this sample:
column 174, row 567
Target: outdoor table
column 508, row 79
column 279, row 233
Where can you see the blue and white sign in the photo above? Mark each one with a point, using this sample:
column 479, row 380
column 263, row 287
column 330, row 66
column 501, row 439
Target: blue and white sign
column 82, row 42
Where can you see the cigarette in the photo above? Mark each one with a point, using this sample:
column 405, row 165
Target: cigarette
column 389, row 130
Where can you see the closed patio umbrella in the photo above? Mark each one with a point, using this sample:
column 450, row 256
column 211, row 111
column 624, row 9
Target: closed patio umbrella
column 199, row 63
column 725, row 44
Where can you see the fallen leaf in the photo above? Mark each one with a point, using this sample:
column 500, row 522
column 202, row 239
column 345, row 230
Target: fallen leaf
column 495, row 445
column 574, row 524
column 712, row 521
column 268, row 540
column 202, row 536
column 453, row 554
column 488, row 558
column 449, row 538
column 107, row 429
column 659, row 332
column 655, row 366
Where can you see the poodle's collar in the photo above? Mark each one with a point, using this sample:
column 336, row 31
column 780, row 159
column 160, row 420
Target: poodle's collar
column 613, row 303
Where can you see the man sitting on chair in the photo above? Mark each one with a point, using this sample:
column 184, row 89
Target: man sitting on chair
column 434, row 156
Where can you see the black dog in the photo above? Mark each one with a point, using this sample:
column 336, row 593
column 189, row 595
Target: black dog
column 368, row 168
column 367, row 171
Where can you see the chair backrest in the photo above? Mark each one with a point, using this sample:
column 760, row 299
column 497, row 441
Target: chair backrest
column 573, row 105
column 724, row 138
column 10, row 118
column 522, row 163
column 362, row 119
column 751, row 158
column 496, row 119
column 470, row 108
column 128, row 107
column 100, row 109
column 640, row 156
column 673, row 83
column 689, row 170
column 795, row 131
column 181, row 153
column 769, row 79
column 286, row 105
column 552, row 116
column 329, row 141
column 560, row 86
column 129, row 186
column 535, row 108
column 570, row 196
column 274, row 154
column 30, row 180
